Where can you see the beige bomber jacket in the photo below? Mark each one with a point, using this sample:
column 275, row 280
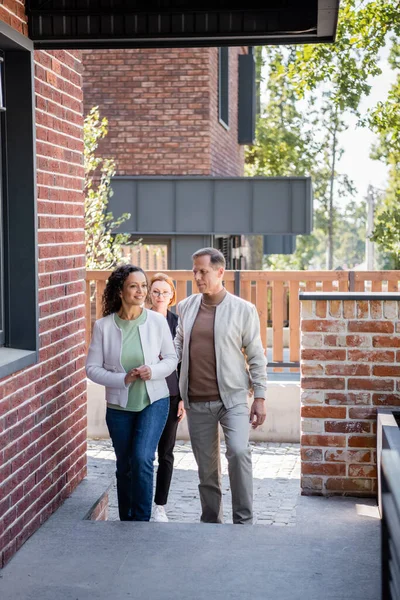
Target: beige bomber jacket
column 236, row 327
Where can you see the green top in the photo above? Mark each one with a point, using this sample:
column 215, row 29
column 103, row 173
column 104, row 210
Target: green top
column 131, row 357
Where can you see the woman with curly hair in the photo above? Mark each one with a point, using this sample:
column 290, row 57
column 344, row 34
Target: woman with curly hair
column 131, row 354
column 162, row 297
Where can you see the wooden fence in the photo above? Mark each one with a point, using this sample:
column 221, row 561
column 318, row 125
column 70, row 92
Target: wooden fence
column 275, row 294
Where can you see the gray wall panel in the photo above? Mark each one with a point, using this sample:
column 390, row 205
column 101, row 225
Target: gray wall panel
column 156, row 206
column 299, row 216
column 232, row 206
column 185, row 245
column 279, row 244
column 214, row 205
column 194, row 206
column 124, row 200
column 272, row 207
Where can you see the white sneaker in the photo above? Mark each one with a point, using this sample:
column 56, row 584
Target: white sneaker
column 159, row 514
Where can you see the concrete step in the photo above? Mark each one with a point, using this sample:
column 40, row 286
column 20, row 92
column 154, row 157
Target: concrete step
column 332, row 553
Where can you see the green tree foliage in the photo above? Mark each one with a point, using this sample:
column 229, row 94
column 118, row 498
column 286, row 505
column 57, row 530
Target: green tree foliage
column 103, row 246
column 294, row 141
column 364, row 27
column 349, row 249
column 385, row 121
column 387, row 235
column 343, row 69
column 284, row 135
column 385, row 118
column 340, row 74
column 329, row 184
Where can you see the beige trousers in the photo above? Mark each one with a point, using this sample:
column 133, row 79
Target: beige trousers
column 203, row 420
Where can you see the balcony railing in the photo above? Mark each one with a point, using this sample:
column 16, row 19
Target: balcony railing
column 275, row 294
column 390, row 525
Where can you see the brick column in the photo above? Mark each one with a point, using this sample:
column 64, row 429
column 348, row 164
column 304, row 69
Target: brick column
column 350, row 352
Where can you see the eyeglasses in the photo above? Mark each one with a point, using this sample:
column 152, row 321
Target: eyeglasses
column 163, row 294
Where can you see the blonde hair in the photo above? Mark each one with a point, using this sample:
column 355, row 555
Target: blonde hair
column 164, row 277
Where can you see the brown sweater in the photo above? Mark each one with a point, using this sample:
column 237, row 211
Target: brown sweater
column 203, row 385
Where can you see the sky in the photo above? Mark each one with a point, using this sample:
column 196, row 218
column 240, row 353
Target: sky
column 357, row 141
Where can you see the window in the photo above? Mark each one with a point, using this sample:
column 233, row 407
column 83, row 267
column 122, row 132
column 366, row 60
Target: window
column 19, row 321
column 223, row 86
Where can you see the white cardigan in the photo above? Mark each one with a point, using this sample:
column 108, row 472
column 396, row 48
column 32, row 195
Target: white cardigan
column 103, row 364
column 236, row 326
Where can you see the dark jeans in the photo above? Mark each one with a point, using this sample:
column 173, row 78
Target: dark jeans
column 166, row 453
column 135, row 436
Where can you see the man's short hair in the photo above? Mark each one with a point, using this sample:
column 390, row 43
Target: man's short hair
column 217, row 259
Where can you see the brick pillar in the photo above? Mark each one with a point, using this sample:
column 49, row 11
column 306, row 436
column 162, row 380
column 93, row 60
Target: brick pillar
column 350, row 351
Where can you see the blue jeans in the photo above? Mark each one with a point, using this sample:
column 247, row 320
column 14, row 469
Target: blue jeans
column 135, row 436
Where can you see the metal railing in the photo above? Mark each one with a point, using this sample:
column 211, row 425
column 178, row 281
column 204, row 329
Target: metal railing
column 390, row 490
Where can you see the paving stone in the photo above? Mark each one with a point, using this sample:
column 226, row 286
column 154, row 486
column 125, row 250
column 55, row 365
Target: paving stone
column 276, row 471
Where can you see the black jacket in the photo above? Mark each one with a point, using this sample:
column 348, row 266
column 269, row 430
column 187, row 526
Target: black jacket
column 172, row 380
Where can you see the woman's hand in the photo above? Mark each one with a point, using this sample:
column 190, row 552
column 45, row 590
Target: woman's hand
column 131, row 376
column 144, row 372
column 181, row 411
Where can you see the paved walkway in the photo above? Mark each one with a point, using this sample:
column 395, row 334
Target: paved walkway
column 327, row 547
column 276, row 472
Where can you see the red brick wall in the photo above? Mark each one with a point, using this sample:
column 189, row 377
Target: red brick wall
column 12, row 12
column 43, row 408
column 162, row 107
column 349, row 367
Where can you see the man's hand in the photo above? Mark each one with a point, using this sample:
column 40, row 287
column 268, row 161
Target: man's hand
column 258, row 412
column 144, row 372
column 181, row 411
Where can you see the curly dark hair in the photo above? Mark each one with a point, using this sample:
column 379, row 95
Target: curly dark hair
column 111, row 300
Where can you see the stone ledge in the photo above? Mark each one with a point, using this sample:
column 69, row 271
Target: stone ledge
column 350, row 296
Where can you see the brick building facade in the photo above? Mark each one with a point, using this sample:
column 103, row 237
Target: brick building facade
column 43, row 407
column 162, row 109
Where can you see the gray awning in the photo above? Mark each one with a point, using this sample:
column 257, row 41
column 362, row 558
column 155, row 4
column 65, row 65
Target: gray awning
column 213, row 205
column 173, row 23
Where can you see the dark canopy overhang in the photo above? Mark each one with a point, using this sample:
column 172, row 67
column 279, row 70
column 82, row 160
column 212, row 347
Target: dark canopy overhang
column 174, row 23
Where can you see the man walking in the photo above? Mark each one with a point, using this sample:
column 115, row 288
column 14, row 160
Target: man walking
column 218, row 342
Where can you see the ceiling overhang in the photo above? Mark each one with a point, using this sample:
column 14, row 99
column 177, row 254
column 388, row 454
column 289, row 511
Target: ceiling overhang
column 174, row 23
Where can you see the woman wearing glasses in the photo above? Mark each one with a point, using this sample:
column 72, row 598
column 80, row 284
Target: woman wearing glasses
column 131, row 354
column 162, row 296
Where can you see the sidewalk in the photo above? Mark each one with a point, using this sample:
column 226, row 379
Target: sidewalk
column 326, row 548
column 276, row 472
